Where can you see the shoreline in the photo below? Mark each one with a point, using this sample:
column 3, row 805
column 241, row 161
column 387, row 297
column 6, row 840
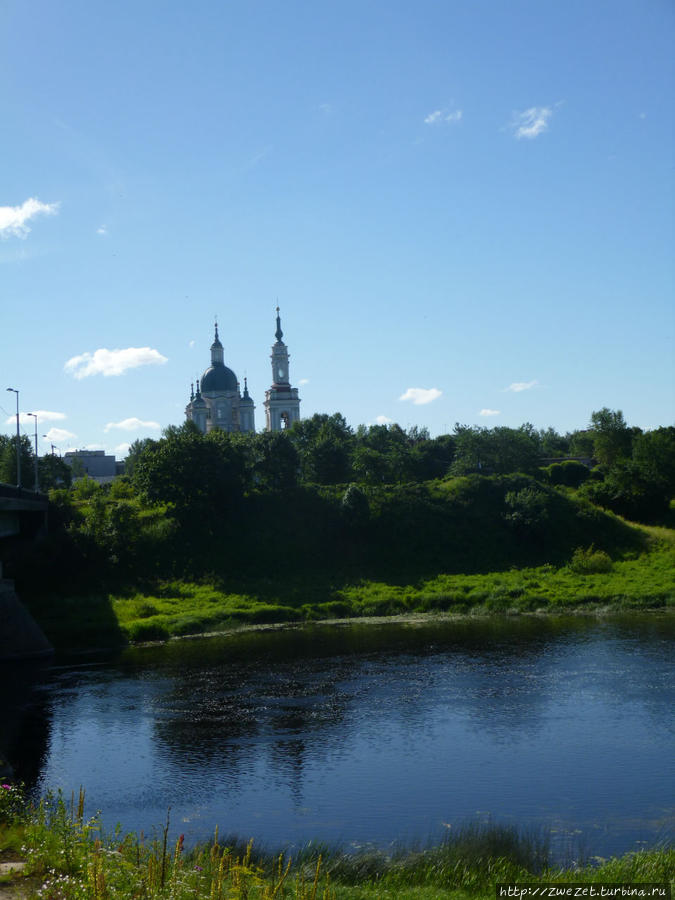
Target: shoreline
column 598, row 611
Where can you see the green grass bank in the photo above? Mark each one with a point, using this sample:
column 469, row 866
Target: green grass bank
column 69, row 858
column 115, row 569
column 179, row 608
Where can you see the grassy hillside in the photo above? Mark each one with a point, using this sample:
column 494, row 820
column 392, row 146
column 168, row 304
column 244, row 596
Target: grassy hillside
column 117, row 570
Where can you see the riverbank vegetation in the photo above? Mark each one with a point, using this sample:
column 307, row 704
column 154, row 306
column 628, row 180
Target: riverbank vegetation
column 209, row 532
column 68, row 857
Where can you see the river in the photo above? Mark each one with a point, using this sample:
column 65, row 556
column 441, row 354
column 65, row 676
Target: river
column 367, row 734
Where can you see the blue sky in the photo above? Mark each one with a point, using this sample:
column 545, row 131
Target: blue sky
column 464, row 209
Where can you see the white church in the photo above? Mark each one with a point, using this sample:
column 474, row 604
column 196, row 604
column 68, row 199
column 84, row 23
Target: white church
column 218, row 402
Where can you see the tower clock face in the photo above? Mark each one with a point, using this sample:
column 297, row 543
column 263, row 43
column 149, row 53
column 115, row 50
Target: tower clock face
column 280, row 373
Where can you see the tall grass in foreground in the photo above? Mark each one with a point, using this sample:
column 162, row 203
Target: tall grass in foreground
column 70, row 859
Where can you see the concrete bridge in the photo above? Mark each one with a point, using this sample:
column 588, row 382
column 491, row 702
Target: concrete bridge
column 23, row 513
column 23, row 516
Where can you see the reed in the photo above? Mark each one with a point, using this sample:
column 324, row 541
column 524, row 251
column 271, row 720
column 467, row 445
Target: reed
column 69, row 858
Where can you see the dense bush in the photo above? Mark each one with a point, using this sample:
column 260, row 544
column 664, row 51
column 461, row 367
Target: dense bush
column 590, row 561
column 570, row 473
column 627, row 490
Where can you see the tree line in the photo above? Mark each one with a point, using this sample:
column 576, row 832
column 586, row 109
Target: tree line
column 52, row 470
column 624, row 469
column 631, row 471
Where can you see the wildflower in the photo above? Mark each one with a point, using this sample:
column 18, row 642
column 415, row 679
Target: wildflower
column 198, row 869
column 181, row 840
column 7, row 787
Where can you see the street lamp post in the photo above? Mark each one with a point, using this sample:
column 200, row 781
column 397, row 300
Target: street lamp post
column 36, row 486
column 53, row 446
column 18, row 440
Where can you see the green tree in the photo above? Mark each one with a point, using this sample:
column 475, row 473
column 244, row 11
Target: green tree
column 384, row 453
column 370, row 466
column 53, row 472
column 136, row 450
column 324, row 444
column 498, row 450
column 274, row 460
column 552, row 443
column 201, row 476
column 581, row 444
column 432, row 458
column 527, row 509
column 654, row 454
column 612, row 438
column 8, row 461
column 626, row 490
column 355, row 507
column 77, row 467
column 570, row 473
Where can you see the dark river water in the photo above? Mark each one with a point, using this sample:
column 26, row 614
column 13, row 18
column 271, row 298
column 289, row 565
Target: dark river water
column 367, row 733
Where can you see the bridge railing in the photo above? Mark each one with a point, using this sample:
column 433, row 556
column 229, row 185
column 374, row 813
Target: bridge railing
column 16, row 493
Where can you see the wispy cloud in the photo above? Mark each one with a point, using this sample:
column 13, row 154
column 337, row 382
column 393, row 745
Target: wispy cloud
column 44, row 415
column 112, row 362
column 490, row 412
column 518, row 386
column 303, row 381
column 121, row 450
column 257, row 158
column 383, row 420
column 531, row 122
column 443, row 117
column 421, row 396
column 102, row 229
column 57, row 435
column 191, row 344
column 14, row 219
column 132, row 424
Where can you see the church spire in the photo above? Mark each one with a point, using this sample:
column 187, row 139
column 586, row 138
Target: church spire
column 279, row 333
column 217, row 350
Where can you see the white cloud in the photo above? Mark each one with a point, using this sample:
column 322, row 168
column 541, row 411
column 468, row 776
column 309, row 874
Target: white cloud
column 191, row 344
column 518, row 386
column 433, row 118
column 303, row 381
column 383, row 420
column 44, row 415
column 531, row 122
column 489, row 412
column 102, row 229
column 121, row 450
column 132, row 424
column 56, row 435
column 112, row 362
column 439, row 116
column 420, row 396
column 14, row 219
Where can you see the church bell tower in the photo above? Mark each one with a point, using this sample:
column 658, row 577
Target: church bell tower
column 282, row 405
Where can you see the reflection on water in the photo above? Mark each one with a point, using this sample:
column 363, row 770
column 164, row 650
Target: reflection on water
column 370, row 733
